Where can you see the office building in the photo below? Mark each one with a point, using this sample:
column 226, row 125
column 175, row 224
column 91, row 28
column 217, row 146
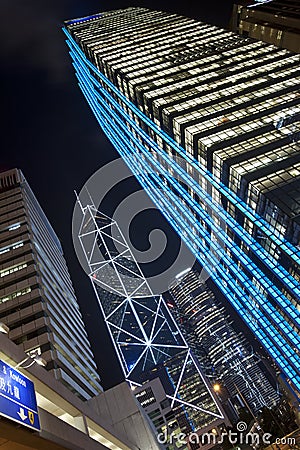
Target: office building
column 228, row 356
column 170, row 423
column 153, row 400
column 277, row 23
column 208, row 122
column 146, row 338
column 37, row 299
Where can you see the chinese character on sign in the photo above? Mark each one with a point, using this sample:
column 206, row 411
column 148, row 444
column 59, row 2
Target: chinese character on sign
column 9, row 389
column 2, row 384
column 17, row 392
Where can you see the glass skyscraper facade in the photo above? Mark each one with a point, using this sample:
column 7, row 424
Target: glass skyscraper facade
column 37, row 299
column 208, row 122
column 225, row 353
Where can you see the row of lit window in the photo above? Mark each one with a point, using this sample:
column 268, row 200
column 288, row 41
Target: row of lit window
column 11, row 247
column 209, row 63
column 154, row 36
column 183, row 80
column 265, row 56
column 203, row 72
column 152, row 59
column 278, row 154
column 238, row 170
column 191, row 68
column 214, row 84
column 239, row 99
column 15, row 295
column 104, row 44
column 231, row 133
column 98, row 28
column 252, row 144
column 126, row 21
column 110, row 52
column 165, row 74
column 261, row 107
column 13, row 269
column 12, row 227
column 236, row 69
column 279, row 178
column 221, row 106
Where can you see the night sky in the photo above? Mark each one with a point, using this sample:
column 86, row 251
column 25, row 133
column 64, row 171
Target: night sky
column 49, row 132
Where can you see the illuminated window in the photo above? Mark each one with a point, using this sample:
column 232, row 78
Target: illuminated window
column 15, row 295
column 13, row 269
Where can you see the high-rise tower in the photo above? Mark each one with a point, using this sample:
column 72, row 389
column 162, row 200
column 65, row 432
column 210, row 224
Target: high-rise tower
column 208, row 121
column 37, row 299
column 227, row 352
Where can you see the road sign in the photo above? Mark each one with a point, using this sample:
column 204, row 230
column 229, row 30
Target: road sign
column 17, row 397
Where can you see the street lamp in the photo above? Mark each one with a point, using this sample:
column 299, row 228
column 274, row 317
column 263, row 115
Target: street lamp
column 4, row 328
column 216, row 387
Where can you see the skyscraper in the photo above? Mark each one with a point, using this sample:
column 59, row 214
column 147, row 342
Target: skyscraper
column 227, row 352
column 147, row 340
column 208, row 123
column 37, row 299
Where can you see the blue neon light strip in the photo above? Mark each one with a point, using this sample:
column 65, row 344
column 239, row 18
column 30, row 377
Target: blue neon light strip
column 84, row 19
column 282, row 301
column 260, row 252
column 285, row 246
column 260, row 333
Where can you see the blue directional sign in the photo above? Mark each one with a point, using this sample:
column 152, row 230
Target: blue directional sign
column 17, row 397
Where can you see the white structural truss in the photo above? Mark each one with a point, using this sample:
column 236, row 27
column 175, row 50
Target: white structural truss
column 143, row 331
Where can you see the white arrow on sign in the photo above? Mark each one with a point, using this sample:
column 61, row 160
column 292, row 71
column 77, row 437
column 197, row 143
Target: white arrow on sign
column 22, row 414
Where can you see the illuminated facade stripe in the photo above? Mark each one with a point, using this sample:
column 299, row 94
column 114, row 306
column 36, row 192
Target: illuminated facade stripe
column 246, row 280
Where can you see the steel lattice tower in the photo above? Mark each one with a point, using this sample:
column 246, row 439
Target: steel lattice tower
column 142, row 329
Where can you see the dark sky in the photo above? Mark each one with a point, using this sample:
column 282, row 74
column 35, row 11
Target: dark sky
column 48, row 130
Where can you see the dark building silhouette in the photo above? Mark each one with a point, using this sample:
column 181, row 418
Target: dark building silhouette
column 275, row 22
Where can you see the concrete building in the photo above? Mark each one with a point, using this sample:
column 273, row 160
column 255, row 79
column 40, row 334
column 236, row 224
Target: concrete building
column 208, row 121
column 275, row 22
column 37, row 299
column 112, row 420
